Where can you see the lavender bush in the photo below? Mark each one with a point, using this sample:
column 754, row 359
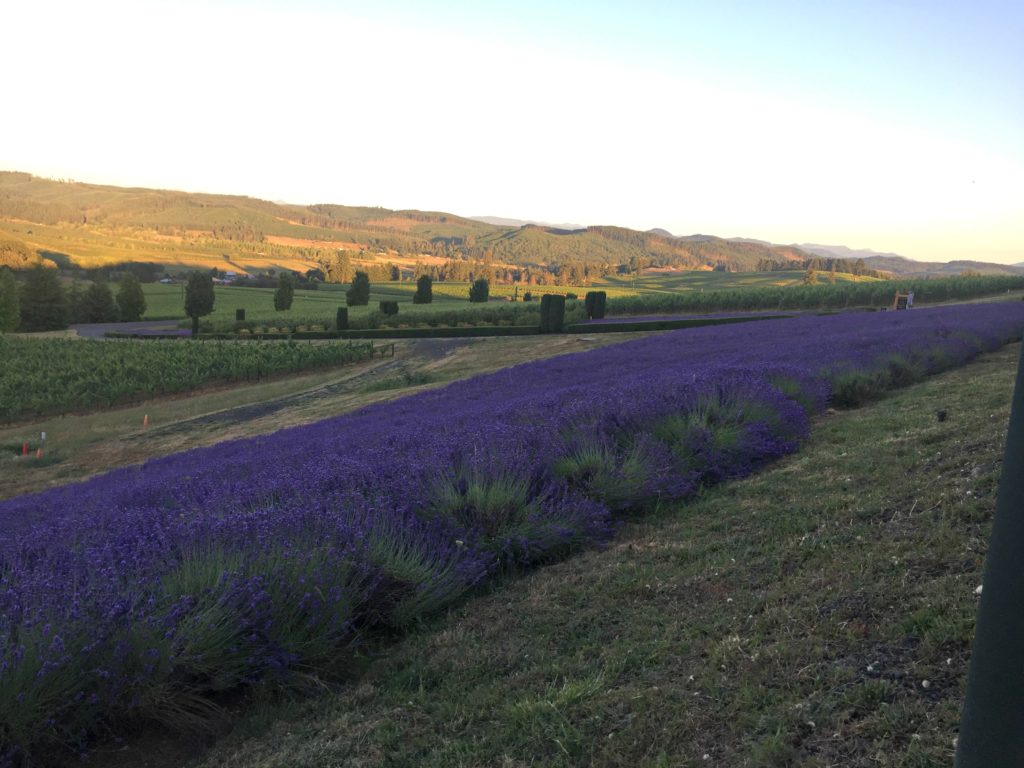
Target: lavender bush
column 138, row 594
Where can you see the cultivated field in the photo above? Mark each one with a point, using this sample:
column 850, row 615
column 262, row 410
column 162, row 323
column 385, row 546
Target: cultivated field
column 819, row 613
column 279, row 555
column 662, row 294
column 54, row 376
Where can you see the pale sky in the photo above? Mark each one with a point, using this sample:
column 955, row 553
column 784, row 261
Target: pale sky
column 894, row 125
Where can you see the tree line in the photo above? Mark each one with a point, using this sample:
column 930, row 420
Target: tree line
column 41, row 302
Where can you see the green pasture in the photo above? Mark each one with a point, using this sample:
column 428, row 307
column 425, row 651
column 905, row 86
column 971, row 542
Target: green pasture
column 164, row 302
column 167, row 302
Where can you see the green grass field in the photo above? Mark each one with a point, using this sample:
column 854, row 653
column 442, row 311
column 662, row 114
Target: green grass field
column 167, row 301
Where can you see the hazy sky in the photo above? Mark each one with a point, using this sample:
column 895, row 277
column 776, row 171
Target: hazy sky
column 892, row 125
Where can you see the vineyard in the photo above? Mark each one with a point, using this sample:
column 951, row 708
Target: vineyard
column 280, row 552
column 48, row 376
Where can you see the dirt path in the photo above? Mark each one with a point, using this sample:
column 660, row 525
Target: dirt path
column 409, row 356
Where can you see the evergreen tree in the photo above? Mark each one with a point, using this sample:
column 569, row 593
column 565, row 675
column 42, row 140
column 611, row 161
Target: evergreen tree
column 285, row 291
column 98, row 304
column 130, row 298
column 358, row 295
column 424, row 290
column 44, row 305
column 479, row 291
column 10, row 306
column 76, row 308
column 198, row 298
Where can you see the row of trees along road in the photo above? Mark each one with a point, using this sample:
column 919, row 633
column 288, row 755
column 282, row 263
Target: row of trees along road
column 42, row 303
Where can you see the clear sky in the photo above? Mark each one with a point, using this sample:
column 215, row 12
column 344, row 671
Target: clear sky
column 893, row 125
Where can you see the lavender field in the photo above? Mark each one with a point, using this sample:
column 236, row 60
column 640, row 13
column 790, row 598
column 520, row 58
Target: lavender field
column 140, row 594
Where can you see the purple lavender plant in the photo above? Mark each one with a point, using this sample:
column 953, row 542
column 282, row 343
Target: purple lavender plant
column 137, row 593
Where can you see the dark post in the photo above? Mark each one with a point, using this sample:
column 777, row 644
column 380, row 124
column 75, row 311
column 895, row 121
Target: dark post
column 992, row 723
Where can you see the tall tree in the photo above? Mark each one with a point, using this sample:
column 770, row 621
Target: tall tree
column 285, row 291
column 10, row 306
column 358, row 295
column 44, row 305
column 198, row 298
column 130, row 298
column 98, row 303
column 479, row 291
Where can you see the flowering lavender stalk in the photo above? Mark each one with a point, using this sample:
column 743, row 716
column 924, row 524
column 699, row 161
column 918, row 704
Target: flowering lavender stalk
column 137, row 593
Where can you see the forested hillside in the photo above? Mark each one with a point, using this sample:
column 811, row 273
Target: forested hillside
column 91, row 225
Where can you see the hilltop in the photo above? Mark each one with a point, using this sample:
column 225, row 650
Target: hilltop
column 901, row 266
column 90, row 225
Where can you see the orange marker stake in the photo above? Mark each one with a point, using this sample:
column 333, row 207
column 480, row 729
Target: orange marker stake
column 145, row 421
column 24, row 449
column 39, row 453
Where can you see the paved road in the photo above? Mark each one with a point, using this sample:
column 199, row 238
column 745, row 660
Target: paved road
column 98, row 330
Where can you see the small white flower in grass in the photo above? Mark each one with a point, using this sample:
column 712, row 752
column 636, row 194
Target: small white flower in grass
column 978, row 590
column 926, row 684
column 706, row 756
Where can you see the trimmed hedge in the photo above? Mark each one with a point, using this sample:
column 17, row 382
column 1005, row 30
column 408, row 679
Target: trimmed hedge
column 665, row 325
column 341, row 319
column 552, row 313
column 379, row 333
column 388, row 307
column 595, row 303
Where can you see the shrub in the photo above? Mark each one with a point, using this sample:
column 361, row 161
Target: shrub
column 424, row 290
column 341, row 320
column 552, row 313
column 595, row 303
column 389, row 307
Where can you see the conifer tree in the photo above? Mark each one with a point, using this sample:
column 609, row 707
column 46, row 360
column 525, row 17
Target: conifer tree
column 358, row 295
column 98, row 304
column 130, row 298
column 285, row 292
column 44, row 305
column 424, row 290
column 198, row 298
column 10, row 306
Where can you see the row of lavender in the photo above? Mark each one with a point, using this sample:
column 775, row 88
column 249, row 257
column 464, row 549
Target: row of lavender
column 138, row 594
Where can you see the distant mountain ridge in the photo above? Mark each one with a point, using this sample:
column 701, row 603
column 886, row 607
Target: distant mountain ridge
column 901, row 266
column 133, row 224
column 76, row 223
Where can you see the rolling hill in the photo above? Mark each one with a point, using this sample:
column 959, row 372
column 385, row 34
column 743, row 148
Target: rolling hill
column 90, row 225
column 901, row 266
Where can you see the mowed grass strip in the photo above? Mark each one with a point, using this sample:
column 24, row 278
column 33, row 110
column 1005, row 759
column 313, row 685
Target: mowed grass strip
column 817, row 614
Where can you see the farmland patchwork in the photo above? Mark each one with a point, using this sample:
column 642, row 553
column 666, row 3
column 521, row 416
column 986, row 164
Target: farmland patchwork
column 138, row 594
